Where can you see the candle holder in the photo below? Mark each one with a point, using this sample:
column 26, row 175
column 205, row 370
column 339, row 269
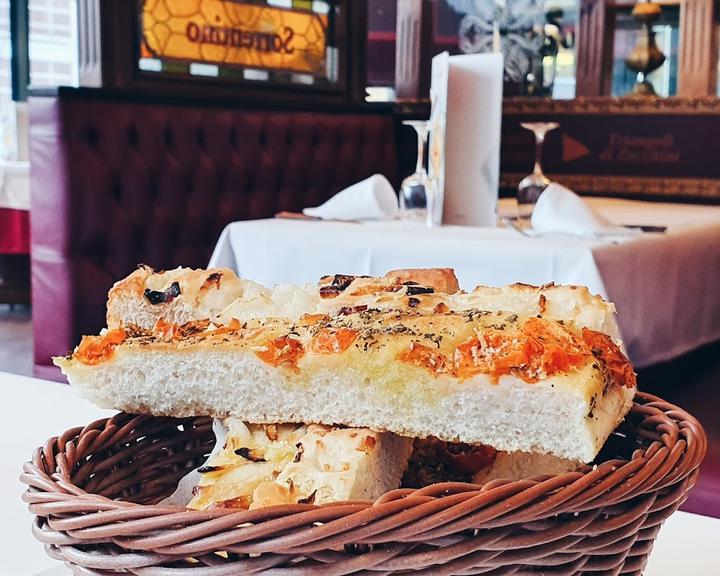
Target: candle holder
column 646, row 57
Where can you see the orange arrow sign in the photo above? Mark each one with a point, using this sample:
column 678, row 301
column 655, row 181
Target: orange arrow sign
column 573, row 149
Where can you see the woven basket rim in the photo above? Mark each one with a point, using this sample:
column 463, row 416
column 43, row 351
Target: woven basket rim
column 651, row 484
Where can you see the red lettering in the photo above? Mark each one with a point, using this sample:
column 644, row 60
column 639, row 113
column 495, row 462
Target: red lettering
column 247, row 39
column 193, row 32
column 289, row 33
column 235, row 37
column 239, row 38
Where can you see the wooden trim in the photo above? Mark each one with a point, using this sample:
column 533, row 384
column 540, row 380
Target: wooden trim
column 611, row 105
column 698, row 53
column 89, row 43
column 356, row 25
column 412, row 49
column 700, row 190
column 20, row 49
column 596, row 28
column 247, row 102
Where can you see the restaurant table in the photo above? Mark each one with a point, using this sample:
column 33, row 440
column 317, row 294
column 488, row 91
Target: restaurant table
column 664, row 285
column 38, row 409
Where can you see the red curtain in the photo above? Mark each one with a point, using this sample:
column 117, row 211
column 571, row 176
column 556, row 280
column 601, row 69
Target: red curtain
column 14, row 231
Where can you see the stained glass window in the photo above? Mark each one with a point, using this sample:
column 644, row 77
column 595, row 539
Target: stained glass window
column 280, row 41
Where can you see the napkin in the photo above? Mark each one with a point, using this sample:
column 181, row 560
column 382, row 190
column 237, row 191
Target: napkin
column 560, row 210
column 371, row 199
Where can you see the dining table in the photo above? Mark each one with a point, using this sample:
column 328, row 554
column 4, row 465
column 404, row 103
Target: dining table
column 39, row 409
column 663, row 281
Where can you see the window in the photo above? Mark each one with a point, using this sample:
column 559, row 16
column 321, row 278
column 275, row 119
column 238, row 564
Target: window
column 53, row 62
column 53, row 43
column 7, row 110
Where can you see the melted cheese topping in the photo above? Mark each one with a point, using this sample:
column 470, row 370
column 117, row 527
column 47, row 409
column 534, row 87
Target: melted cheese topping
column 264, row 465
column 97, row 349
column 456, row 344
column 252, row 454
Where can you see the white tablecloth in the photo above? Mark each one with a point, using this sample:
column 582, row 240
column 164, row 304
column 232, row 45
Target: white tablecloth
column 40, row 409
column 664, row 285
column 34, row 411
column 15, row 185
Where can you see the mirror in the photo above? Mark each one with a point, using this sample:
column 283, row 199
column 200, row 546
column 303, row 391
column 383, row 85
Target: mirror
column 561, row 49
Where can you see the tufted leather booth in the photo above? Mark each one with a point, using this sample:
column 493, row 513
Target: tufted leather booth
column 118, row 182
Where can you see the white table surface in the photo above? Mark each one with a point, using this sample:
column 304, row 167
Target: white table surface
column 660, row 283
column 38, row 409
column 35, row 410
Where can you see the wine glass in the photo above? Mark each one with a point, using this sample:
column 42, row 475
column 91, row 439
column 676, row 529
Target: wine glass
column 532, row 186
column 417, row 191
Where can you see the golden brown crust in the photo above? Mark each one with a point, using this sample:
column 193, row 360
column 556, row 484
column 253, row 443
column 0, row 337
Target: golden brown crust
column 440, row 279
column 178, row 295
column 419, row 280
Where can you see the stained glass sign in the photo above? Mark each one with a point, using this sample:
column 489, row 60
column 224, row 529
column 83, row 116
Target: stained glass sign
column 252, row 40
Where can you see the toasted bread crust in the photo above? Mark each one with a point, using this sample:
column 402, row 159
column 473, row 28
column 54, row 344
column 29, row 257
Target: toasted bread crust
column 219, row 295
column 441, row 279
column 178, row 296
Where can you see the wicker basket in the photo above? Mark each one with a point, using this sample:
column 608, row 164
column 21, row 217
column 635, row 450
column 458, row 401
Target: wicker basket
column 95, row 490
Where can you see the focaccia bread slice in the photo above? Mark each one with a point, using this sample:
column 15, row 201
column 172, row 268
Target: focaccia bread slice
column 439, row 279
column 520, row 465
column 434, row 460
column 265, row 465
column 184, row 295
column 247, row 455
column 511, row 381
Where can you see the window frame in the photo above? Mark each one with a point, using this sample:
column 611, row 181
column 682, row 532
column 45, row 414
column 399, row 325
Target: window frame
column 19, row 49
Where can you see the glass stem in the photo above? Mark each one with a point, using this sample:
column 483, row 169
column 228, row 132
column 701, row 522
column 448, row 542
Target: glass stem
column 420, row 164
column 539, row 140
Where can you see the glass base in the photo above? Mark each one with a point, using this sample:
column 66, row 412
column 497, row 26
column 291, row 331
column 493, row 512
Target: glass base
column 530, row 193
column 525, row 210
column 414, row 215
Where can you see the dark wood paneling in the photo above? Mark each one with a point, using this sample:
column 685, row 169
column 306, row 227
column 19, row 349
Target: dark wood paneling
column 698, row 55
column 595, row 46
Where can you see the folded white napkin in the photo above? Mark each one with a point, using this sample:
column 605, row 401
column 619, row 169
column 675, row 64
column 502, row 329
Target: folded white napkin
column 560, row 210
column 370, row 199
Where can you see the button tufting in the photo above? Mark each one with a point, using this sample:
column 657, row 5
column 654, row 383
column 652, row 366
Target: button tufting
column 157, row 184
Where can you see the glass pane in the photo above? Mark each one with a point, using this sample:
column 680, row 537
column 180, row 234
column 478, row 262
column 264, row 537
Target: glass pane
column 535, row 36
column 382, row 18
column 5, row 52
column 7, row 110
column 53, row 43
column 627, row 34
